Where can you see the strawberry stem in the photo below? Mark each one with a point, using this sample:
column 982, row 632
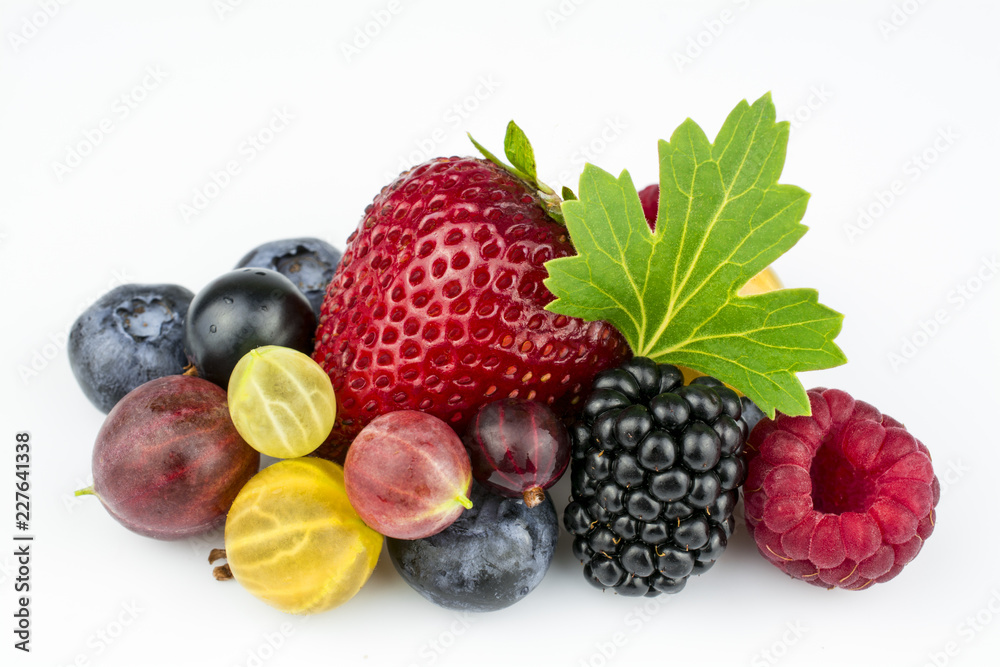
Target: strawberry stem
column 519, row 152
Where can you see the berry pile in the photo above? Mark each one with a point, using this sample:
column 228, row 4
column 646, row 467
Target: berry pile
column 479, row 336
column 439, row 303
column 656, row 468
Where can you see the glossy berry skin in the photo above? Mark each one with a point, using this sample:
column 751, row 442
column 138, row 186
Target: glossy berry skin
column 843, row 498
column 131, row 335
column 656, row 471
column 294, row 541
column 239, row 311
column 308, row 262
column 491, row 557
column 168, row 461
column 281, row 401
column 438, row 304
column 408, row 475
column 649, row 197
column 518, row 448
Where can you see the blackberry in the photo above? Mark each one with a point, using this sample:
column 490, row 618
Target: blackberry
column 656, row 471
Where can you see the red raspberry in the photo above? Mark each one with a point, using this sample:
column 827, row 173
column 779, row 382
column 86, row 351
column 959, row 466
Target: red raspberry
column 843, row 498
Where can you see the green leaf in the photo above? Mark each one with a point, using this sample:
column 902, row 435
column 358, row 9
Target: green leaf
column 567, row 193
column 673, row 293
column 490, row 156
column 518, row 150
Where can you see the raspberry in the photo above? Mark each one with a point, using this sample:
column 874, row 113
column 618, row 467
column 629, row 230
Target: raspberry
column 841, row 499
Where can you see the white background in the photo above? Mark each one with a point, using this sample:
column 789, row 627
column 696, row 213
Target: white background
column 871, row 85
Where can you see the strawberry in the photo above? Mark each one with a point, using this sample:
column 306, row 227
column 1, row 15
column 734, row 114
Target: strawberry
column 438, row 303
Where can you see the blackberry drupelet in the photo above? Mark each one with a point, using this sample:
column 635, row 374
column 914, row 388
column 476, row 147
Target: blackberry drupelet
column 655, row 472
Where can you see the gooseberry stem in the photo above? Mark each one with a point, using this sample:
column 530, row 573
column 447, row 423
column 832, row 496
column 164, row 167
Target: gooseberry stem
column 89, row 491
column 222, row 572
column 464, row 501
column 534, row 496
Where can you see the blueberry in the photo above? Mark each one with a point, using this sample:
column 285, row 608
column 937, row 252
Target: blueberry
column 491, row 557
column 309, row 263
column 131, row 335
column 751, row 413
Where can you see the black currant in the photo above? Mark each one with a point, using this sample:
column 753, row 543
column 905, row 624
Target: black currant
column 242, row 310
